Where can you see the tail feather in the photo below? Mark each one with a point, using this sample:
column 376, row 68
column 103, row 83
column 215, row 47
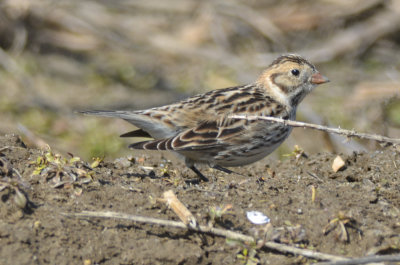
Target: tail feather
column 110, row 113
column 149, row 126
column 164, row 144
column 136, row 133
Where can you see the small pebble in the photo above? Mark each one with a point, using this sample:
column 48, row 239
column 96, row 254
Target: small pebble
column 338, row 164
column 122, row 162
column 20, row 199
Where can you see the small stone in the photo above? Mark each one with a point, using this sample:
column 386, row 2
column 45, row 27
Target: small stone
column 122, row 162
column 37, row 225
column 20, row 199
column 338, row 164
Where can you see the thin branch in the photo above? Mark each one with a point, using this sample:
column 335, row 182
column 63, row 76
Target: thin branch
column 302, row 252
column 5, row 148
column 209, row 230
column 162, row 222
column 10, row 147
column 18, row 174
column 347, row 133
column 364, row 260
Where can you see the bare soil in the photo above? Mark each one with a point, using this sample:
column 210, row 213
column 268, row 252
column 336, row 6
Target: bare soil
column 364, row 198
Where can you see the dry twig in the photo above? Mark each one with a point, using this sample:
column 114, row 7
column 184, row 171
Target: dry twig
column 177, row 206
column 347, row 133
column 364, row 260
column 5, row 148
column 209, row 230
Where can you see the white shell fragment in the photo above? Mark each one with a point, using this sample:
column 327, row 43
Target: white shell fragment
column 257, row 218
column 338, row 164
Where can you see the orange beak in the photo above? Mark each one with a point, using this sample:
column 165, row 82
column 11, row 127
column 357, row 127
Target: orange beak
column 317, row 79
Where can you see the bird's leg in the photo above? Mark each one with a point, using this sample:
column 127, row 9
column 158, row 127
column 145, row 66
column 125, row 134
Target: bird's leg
column 228, row 171
column 190, row 164
column 199, row 174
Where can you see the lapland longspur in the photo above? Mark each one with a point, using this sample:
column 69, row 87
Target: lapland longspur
column 201, row 129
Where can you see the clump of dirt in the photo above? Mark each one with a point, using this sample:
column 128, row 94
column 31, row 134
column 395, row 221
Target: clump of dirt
column 353, row 212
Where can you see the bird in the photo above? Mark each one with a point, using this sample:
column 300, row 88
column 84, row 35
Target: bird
column 201, row 128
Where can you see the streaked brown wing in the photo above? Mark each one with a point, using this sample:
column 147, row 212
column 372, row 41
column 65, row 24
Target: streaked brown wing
column 208, row 135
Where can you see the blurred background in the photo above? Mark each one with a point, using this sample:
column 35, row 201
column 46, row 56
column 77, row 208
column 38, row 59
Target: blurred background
column 57, row 57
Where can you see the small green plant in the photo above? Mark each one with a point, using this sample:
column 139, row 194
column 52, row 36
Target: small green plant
column 248, row 254
column 62, row 171
column 96, row 161
column 215, row 213
column 298, row 152
column 342, row 222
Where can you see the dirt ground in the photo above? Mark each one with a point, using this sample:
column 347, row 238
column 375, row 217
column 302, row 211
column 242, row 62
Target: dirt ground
column 59, row 57
column 364, row 196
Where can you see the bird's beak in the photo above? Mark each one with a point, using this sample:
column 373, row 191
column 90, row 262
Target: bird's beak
column 317, row 79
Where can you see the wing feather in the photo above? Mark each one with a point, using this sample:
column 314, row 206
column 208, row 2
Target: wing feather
column 208, row 135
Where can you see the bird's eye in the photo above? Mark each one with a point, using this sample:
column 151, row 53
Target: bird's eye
column 295, row 72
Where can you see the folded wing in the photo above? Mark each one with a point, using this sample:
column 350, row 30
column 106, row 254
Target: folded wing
column 210, row 135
